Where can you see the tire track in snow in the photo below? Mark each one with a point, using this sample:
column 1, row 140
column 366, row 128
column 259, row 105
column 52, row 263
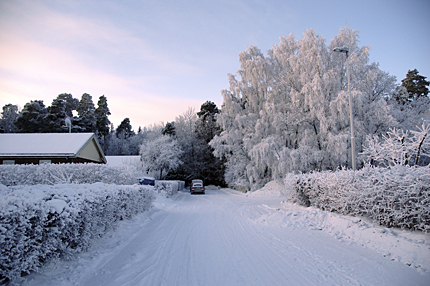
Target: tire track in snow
column 213, row 239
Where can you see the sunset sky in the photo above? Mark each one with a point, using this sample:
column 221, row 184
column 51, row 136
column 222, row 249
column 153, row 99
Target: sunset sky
column 153, row 59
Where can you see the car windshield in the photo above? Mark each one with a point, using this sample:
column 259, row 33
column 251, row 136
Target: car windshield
column 197, row 185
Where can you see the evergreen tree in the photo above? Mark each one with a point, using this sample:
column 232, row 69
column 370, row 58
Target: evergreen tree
column 211, row 169
column 124, row 130
column 410, row 101
column 169, row 129
column 416, row 84
column 101, row 115
column 8, row 118
column 71, row 103
column 206, row 127
column 31, row 117
column 85, row 110
column 54, row 119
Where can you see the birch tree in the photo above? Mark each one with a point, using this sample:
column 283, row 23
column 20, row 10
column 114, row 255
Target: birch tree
column 289, row 111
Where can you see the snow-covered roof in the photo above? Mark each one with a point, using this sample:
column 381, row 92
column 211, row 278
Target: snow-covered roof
column 46, row 144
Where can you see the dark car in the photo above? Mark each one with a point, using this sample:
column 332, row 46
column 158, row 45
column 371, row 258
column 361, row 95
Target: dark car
column 147, row 181
column 197, row 187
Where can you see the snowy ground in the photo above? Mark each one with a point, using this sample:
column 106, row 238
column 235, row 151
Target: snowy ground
column 230, row 238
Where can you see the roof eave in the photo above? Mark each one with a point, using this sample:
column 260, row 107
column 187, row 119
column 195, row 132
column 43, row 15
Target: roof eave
column 68, row 155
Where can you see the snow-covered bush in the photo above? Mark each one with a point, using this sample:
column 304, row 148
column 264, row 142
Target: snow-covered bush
column 395, row 197
column 43, row 222
column 50, row 174
column 169, row 188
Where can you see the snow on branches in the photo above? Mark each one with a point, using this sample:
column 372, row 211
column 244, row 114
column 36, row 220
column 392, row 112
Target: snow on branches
column 288, row 111
column 399, row 147
column 161, row 154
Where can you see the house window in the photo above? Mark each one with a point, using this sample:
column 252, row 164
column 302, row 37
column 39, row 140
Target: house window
column 44, row 161
column 8, row 162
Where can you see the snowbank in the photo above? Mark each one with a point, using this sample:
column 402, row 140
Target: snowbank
column 40, row 223
column 169, row 188
column 394, row 197
column 411, row 248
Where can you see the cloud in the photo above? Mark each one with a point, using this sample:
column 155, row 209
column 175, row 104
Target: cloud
column 45, row 52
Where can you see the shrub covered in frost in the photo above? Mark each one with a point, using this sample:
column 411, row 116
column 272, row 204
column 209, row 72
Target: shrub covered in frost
column 395, row 197
column 169, row 188
column 50, row 174
column 39, row 223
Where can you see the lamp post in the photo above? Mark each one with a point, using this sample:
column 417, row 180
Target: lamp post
column 346, row 50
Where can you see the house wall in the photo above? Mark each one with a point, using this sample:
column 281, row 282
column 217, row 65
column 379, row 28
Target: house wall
column 90, row 152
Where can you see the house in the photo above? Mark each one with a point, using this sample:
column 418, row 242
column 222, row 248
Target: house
column 37, row 148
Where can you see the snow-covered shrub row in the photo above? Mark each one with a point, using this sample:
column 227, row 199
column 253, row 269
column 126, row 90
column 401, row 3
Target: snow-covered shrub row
column 181, row 185
column 49, row 174
column 169, row 188
column 395, row 197
column 43, row 222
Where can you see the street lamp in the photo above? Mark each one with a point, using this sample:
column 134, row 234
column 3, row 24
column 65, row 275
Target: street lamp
column 346, row 50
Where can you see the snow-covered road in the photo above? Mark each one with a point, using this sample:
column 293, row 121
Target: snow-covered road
column 230, row 238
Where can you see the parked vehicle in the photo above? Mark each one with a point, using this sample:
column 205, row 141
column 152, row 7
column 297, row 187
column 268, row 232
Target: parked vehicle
column 147, row 181
column 197, row 187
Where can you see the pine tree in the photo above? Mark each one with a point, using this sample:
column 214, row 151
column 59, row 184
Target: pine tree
column 416, row 85
column 124, row 130
column 101, row 115
column 31, row 117
column 410, row 101
column 169, row 129
column 9, row 116
column 85, row 110
column 71, row 103
column 212, row 168
column 206, row 127
column 54, row 119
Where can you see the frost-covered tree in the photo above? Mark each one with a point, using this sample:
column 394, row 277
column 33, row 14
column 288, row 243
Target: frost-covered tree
column 8, row 118
column 186, row 138
column 289, row 111
column 185, row 126
column 193, row 132
column 161, row 154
